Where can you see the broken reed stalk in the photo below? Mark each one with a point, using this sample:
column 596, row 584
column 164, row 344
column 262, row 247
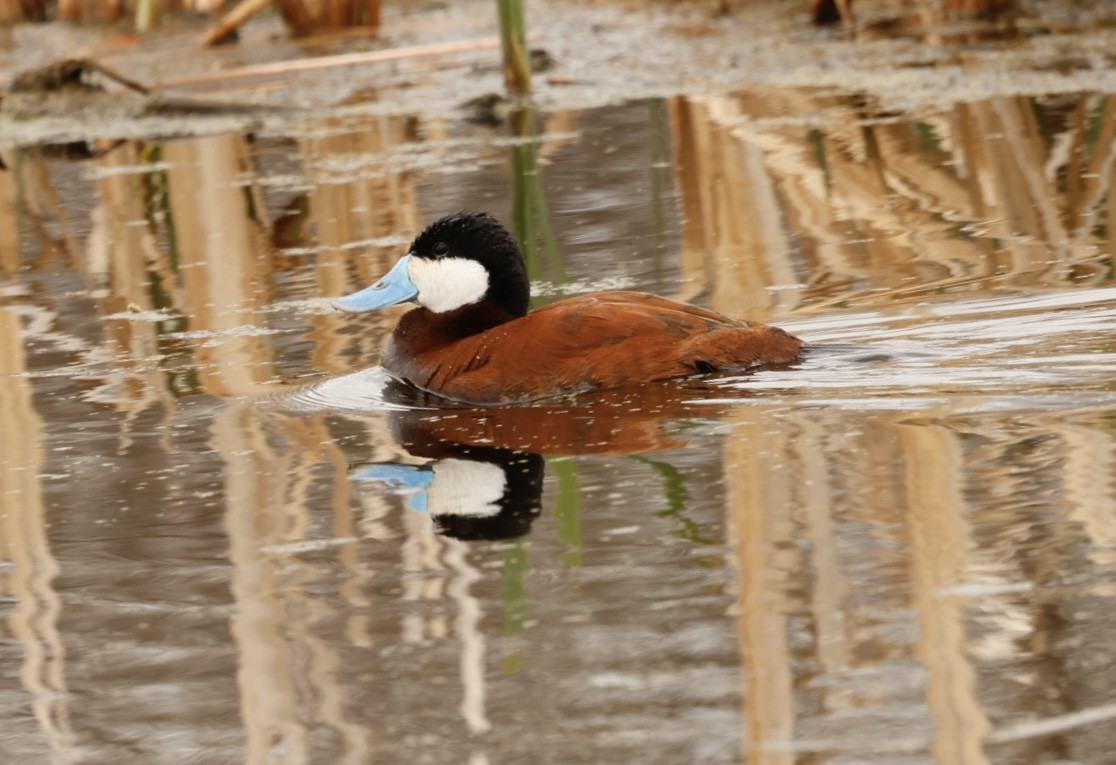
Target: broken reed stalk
column 513, row 42
column 91, row 11
column 971, row 9
column 307, row 17
column 12, row 11
column 283, row 68
column 831, row 11
column 145, row 15
column 232, row 20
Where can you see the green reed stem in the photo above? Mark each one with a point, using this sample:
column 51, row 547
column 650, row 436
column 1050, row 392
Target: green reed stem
column 513, row 43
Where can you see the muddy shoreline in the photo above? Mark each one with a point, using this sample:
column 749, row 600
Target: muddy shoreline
column 602, row 54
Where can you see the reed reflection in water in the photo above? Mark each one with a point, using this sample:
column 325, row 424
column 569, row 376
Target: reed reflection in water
column 901, row 549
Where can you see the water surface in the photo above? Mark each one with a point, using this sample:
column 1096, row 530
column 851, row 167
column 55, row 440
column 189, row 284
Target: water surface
column 899, row 551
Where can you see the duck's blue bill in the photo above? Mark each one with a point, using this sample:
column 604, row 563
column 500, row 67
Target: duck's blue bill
column 395, row 287
column 411, row 481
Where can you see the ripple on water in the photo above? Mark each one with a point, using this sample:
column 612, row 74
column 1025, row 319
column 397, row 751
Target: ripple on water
column 1036, row 351
column 361, row 391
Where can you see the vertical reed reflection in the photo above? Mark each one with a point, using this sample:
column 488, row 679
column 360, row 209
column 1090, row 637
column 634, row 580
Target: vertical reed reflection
column 939, row 554
column 123, row 253
column 469, row 635
column 26, row 561
column 266, row 677
column 9, row 216
column 1098, row 202
column 732, row 227
column 361, row 219
column 980, row 195
column 41, row 210
column 831, row 583
column 219, row 240
column 291, row 679
column 1090, row 475
column 758, row 498
column 437, row 569
column 936, row 561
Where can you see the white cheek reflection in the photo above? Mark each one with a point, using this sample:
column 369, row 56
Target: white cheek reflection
column 467, row 488
column 449, row 283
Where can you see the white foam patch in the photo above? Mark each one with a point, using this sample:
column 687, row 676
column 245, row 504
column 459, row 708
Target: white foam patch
column 449, row 283
column 308, row 545
column 466, row 488
column 359, row 392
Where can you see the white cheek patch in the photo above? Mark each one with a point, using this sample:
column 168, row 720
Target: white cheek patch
column 449, row 283
column 465, row 487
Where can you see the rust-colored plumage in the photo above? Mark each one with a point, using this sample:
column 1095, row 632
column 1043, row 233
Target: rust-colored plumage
column 600, row 340
column 491, row 351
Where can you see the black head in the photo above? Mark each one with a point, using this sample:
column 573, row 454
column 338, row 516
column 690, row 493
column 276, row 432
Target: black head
column 479, row 236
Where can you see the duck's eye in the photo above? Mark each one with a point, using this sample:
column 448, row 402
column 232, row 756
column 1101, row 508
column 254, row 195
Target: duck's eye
column 441, row 248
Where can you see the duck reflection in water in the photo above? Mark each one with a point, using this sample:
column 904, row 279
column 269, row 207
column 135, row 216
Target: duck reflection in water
column 470, row 492
column 484, row 478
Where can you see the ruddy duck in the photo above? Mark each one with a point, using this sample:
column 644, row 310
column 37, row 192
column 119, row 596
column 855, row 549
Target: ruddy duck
column 472, row 339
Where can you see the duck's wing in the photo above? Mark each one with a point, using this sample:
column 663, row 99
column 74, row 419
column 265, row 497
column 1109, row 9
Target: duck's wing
column 603, row 340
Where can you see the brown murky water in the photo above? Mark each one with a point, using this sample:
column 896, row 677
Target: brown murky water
column 900, row 551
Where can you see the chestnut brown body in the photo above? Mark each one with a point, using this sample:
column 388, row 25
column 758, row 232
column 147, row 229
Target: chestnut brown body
column 480, row 354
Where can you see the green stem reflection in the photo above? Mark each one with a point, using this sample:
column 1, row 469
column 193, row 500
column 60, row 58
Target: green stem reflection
column 530, row 223
column 514, row 599
column 675, row 494
column 530, row 212
column 182, row 378
column 567, row 509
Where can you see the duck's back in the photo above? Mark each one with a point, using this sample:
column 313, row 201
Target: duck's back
column 600, row 340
